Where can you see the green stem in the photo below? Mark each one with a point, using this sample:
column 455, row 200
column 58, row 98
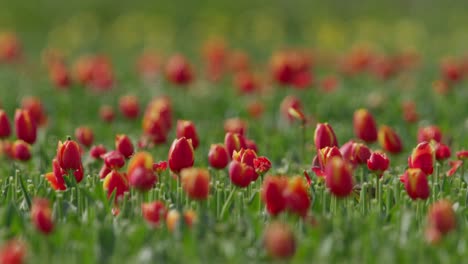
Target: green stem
column 228, row 202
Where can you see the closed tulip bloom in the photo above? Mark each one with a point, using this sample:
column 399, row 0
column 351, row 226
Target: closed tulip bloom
column 181, row 155
column 84, row 135
column 106, row 113
column 186, row 128
column 389, row 140
column 55, row 178
column 338, row 177
column 129, row 106
column 69, row 155
column 241, row 174
column 96, row 151
column 378, row 162
column 196, row 183
column 154, row 212
column 279, row 241
column 160, row 166
column 416, row 184
column 429, row 133
column 178, row 70
column 25, row 126
column 113, row 159
column 142, row 179
column 250, row 144
column 297, row 196
column 361, row 153
column 218, row 156
column 324, row 136
column 422, row 157
column 364, row 125
column 235, row 125
column 41, row 215
column 5, row 127
column 272, row 194
column 442, row 152
column 140, row 159
column 13, row 252
column 124, row 145
column 115, row 182
column 441, row 216
column 233, row 141
column 104, row 171
column 21, row 150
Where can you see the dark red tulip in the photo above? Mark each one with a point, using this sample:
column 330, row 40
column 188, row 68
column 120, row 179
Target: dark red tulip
column 115, row 182
column 154, row 212
column 429, row 133
column 272, row 194
column 297, row 196
column 279, row 241
column 364, row 124
column 324, row 136
column 5, row 127
column 21, row 150
column 36, row 109
column 423, row 157
column 186, row 128
column 378, row 162
column 129, row 106
column 339, row 177
column 97, row 151
column 41, row 215
column 416, row 184
column 442, row 152
column 389, row 140
column 196, row 183
column 241, row 174
column 124, row 145
column 218, row 156
column 178, row 70
column 233, row 142
column 107, row 114
column 25, row 126
column 181, row 155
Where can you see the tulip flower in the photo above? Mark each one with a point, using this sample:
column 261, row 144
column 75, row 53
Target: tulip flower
column 157, row 120
column 324, row 136
column 429, row 133
column 154, row 212
column 297, row 196
column 36, row 110
column 129, row 106
column 218, row 156
column 261, row 165
column 416, row 184
column 279, row 241
column 422, row 157
column 10, row 47
column 364, row 125
column 233, row 141
column 378, row 162
column 442, row 152
column 160, row 166
column 245, row 156
column 113, row 159
column 255, row 109
column 173, row 218
column 55, row 178
column 361, row 153
column 186, row 128
column 21, row 150
column 410, row 113
column 323, row 156
column 241, row 174
column 290, row 102
column 140, row 171
column 338, row 177
column 441, row 219
column 41, row 215
column 235, row 125
column 104, row 171
column 97, row 151
column 124, row 145
column 462, row 154
column 25, row 126
column 178, row 70
column 196, row 183
column 272, row 194
column 106, row 112
column 69, row 158
column 59, row 75
column 389, row 140
column 84, row 135
column 115, row 182
column 245, row 82
column 181, row 155
column 5, row 128
column 13, row 252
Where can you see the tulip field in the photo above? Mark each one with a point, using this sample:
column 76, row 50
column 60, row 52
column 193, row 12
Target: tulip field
column 227, row 132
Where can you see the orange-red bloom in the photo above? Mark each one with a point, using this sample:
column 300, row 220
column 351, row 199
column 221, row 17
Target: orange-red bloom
column 288, row 103
column 157, row 120
column 69, row 155
column 416, row 184
column 218, row 156
column 181, row 155
column 389, row 140
column 13, row 252
column 272, row 194
column 422, row 157
column 196, row 183
column 5, row 128
column 25, row 126
column 323, row 156
column 140, row 171
column 106, row 112
column 339, row 177
column 186, row 128
column 297, row 196
column 173, row 218
column 10, row 47
column 41, row 215
column 279, row 241
column 154, row 212
column 129, row 106
column 36, row 109
column 21, row 150
column 364, row 125
column 262, row 165
column 462, row 154
column 124, row 145
column 178, row 70
column 324, row 136
column 84, row 135
column 115, row 182
column 441, row 219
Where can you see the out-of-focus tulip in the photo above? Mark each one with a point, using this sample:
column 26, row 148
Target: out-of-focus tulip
column 140, row 171
column 21, row 150
column 84, row 135
column 154, row 212
column 41, row 215
column 13, row 252
column 96, row 151
column 416, row 184
column 173, row 218
column 241, row 174
column 186, row 128
column 297, row 196
column 279, row 241
column 124, row 145
column 196, row 183
column 5, row 127
column 410, row 113
column 235, row 125
column 178, row 70
column 422, row 157
column 441, row 219
column 233, row 142
column 218, row 156
column 364, row 125
column 462, row 154
column 10, row 47
column 157, row 120
column 323, row 156
column 106, row 112
column 289, row 102
column 429, row 133
column 255, row 109
column 115, row 182
column 113, row 159
column 129, row 106
column 25, row 126
column 272, row 194
column 36, row 109
column 389, row 140
column 339, row 177
column 442, row 152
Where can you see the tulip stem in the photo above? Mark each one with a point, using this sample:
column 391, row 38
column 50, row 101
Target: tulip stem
column 23, row 188
column 303, row 141
column 228, row 202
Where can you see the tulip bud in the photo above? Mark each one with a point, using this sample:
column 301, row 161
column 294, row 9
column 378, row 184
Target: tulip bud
column 84, row 135
column 129, row 107
column 140, row 159
column 241, row 174
column 21, row 150
column 5, row 128
column 416, row 184
column 218, row 156
column 361, row 153
column 442, row 152
column 13, row 252
column 154, row 212
column 389, row 140
column 272, row 194
column 233, row 141
column 326, row 154
column 142, row 179
column 41, row 215
column 69, row 155
column 173, row 218
column 324, row 136
column 378, row 162
column 297, row 196
column 422, row 157
column 115, row 182
column 181, row 155
column 441, row 217
column 279, row 241
column 97, row 151
column 364, row 126
column 262, row 165
column 338, row 177
column 106, row 112
column 178, row 70
column 124, row 145
column 429, row 133
column 235, row 125
column 196, row 183
column 25, row 126
column 186, row 128
column 113, row 159
column 36, row 110
column 462, row 154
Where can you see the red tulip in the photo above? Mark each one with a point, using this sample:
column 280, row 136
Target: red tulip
column 324, row 155
column 178, row 70
column 233, row 141
column 106, row 112
column 250, row 144
column 410, row 113
column 157, row 120
column 429, row 133
column 148, row 65
column 84, row 135
column 245, row 156
column 13, row 252
column 115, row 182
column 113, row 159
column 69, row 155
column 196, row 183
column 140, row 159
column 59, row 75
column 364, row 126
column 462, row 154
column 173, row 218
column 218, row 156
column 297, row 196
column 154, row 212
column 186, row 128
column 124, row 145
column 159, row 167
column 454, row 165
column 422, row 157
column 245, row 82
column 10, row 47
column 288, row 103
column 279, row 241
column 272, row 194
column 378, row 162
column 21, row 150
column 442, row 152
column 36, row 110
column 361, row 153
column 129, row 106
column 441, row 216
column 241, row 174
column 389, row 140
column 97, row 151
column 55, row 178
column 262, row 165
column 338, row 177
column 41, row 215
column 416, row 184
column 324, row 136
column 140, row 171
column 255, row 109
column 181, row 155
column 5, row 128
column 25, row 126
column 104, row 171
column 235, row 125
